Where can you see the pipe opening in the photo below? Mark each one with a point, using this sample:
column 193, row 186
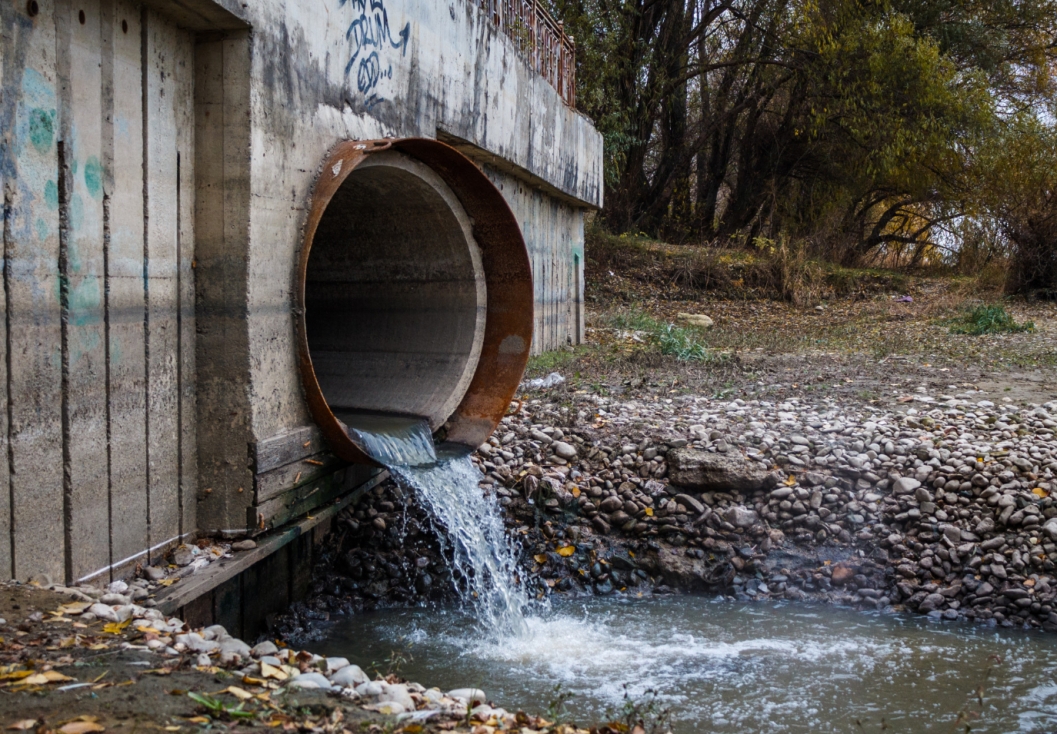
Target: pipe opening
column 414, row 295
column 394, row 296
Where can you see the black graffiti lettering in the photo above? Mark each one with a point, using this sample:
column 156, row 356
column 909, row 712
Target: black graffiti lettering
column 370, row 35
column 369, row 73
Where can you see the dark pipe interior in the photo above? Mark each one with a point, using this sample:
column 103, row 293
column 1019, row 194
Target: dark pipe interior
column 394, row 293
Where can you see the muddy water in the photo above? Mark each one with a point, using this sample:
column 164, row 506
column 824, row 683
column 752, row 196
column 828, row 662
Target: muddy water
column 725, row 666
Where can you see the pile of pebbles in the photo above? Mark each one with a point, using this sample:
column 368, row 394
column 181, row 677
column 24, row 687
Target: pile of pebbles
column 382, row 552
column 266, row 665
column 946, row 510
column 942, row 507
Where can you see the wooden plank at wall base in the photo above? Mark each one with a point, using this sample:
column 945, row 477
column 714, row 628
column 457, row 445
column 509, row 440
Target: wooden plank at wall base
column 268, row 584
column 286, row 478
column 286, row 448
column 87, row 488
column 227, row 607
column 166, row 71
column 125, row 307
column 198, row 612
column 30, row 127
column 296, row 502
column 216, row 574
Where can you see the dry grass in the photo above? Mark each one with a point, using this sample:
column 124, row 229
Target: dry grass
column 769, row 269
column 786, row 325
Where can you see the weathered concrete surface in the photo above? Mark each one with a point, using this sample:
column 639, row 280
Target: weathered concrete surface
column 426, row 69
column 97, row 116
column 155, row 163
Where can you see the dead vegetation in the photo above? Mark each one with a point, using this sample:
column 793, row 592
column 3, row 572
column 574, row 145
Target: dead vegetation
column 784, row 325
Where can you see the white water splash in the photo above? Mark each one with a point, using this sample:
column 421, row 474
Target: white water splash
column 484, row 561
column 469, row 522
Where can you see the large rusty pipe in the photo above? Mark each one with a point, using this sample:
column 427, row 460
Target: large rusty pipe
column 414, row 292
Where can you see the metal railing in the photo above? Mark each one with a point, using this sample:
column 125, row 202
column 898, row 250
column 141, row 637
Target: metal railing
column 541, row 38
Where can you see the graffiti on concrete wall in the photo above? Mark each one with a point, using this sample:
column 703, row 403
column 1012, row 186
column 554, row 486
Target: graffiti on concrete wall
column 372, row 44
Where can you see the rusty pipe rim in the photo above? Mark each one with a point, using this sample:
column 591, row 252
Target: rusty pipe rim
column 508, row 278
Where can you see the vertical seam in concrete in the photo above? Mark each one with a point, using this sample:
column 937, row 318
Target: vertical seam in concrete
column 109, row 406
column 10, row 382
column 107, row 42
column 144, row 77
column 64, row 331
column 179, row 359
column 63, row 35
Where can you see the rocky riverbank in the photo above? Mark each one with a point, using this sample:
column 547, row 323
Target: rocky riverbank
column 73, row 662
column 941, row 508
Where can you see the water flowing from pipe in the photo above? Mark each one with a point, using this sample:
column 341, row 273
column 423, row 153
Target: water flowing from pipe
column 468, row 521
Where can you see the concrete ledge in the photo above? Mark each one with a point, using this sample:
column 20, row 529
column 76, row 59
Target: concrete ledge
column 186, row 593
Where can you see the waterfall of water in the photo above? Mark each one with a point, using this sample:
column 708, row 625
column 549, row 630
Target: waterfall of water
column 484, row 560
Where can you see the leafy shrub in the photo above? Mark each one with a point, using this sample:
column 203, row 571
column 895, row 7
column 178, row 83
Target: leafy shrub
column 988, row 319
column 680, row 342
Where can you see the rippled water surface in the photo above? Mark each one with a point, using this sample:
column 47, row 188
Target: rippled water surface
column 724, row 666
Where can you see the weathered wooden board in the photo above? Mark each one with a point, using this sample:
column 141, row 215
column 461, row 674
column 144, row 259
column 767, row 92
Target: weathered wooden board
column 126, row 309
column 286, row 478
column 307, row 497
column 287, row 448
column 218, row 573
column 30, row 128
column 87, row 489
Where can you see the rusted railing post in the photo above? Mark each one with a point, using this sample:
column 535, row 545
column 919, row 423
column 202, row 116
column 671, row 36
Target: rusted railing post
column 551, row 53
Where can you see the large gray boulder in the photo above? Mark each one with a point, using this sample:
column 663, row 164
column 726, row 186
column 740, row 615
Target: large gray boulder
column 706, row 471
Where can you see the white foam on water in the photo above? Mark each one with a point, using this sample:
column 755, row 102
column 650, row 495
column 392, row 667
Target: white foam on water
column 721, row 666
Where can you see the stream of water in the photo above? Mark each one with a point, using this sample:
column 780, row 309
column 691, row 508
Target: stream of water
column 725, row 666
column 468, row 522
column 721, row 666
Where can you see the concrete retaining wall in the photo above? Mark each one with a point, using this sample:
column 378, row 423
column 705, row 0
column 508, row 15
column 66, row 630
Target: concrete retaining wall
column 155, row 162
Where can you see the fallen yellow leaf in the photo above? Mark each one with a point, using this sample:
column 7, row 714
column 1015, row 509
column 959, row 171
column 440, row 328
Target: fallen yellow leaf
column 42, row 679
column 199, row 720
column 16, row 675
column 270, row 671
column 167, row 582
column 566, row 551
column 649, row 512
column 81, row 727
column 116, row 628
column 1040, row 492
column 55, row 676
column 790, row 480
column 238, row 693
column 576, row 493
column 540, row 559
